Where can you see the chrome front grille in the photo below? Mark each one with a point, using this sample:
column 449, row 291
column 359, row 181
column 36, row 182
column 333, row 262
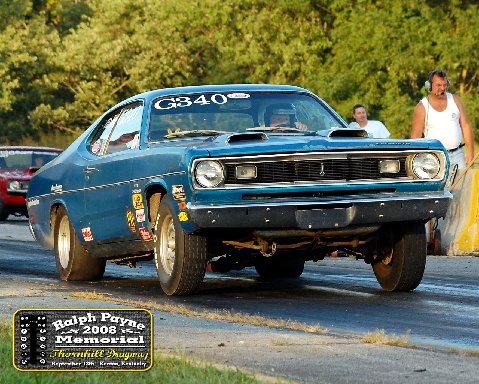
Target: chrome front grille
column 315, row 170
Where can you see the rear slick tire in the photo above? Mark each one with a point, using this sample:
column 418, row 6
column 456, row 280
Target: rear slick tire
column 72, row 260
column 402, row 267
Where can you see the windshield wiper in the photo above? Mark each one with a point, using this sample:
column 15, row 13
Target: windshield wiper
column 196, row 132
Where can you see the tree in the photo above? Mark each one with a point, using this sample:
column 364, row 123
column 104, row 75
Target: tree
column 27, row 41
column 64, row 62
column 383, row 52
column 179, row 43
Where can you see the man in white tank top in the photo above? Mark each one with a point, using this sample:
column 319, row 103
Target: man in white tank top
column 442, row 116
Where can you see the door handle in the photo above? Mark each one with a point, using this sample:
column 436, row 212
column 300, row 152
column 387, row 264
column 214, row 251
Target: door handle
column 89, row 170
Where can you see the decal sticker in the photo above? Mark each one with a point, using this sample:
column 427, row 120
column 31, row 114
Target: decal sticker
column 182, row 205
column 178, row 192
column 130, row 219
column 186, row 101
column 183, row 216
column 136, row 190
column 87, row 235
column 56, row 188
column 82, row 339
column 95, row 148
column 140, row 215
column 175, row 131
column 238, row 95
column 138, row 201
column 145, row 234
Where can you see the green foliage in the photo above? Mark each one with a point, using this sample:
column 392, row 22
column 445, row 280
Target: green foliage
column 24, row 59
column 383, row 52
column 64, row 62
column 13, row 10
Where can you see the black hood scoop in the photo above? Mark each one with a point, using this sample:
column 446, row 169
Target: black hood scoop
column 242, row 137
column 343, row 132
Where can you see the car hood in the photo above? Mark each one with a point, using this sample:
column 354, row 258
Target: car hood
column 264, row 143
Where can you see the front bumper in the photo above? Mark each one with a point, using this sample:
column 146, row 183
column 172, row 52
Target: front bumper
column 313, row 214
column 14, row 198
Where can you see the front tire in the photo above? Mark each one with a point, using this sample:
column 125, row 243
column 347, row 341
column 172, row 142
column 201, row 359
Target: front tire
column 4, row 212
column 403, row 260
column 180, row 258
column 72, row 260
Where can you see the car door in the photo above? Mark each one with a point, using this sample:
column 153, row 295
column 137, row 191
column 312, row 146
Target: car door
column 108, row 185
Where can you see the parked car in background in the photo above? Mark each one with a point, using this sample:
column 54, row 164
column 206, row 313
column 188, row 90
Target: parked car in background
column 17, row 165
column 232, row 176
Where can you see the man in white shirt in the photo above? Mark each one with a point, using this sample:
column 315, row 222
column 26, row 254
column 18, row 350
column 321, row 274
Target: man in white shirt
column 442, row 116
column 374, row 128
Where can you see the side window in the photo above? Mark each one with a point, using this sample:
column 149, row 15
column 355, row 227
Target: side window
column 98, row 140
column 126, row 133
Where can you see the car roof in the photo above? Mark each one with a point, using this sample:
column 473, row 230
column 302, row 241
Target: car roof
column 195, row 89
column 28, row 148
column 215, row 88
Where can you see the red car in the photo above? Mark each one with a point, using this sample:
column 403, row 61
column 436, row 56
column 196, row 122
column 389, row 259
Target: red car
column 17, row 166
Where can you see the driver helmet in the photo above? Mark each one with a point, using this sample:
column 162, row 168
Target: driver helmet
column 278, row 115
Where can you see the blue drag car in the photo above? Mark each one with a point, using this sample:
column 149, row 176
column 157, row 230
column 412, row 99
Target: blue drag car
column 232, row 176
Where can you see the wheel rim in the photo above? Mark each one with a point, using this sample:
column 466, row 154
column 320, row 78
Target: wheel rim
column 64, row 242
column 387, row 260
column 167, row 246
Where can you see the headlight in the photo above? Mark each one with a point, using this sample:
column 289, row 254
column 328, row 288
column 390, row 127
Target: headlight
column 426, row 166
column 14, row 185
column 209, row 173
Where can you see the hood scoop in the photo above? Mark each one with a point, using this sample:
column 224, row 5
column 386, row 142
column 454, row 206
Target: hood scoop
column 242, row 137
column 343, row 132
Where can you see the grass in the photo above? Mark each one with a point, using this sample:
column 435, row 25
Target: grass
column 466, row 353
column 165, row 370
column 213, row 315
column 379, row 337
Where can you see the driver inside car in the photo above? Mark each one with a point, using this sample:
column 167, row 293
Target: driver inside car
column 283, row 115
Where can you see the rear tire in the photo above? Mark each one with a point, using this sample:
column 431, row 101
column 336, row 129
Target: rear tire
column 180, row 258
column 401, row 267
column 72, row 260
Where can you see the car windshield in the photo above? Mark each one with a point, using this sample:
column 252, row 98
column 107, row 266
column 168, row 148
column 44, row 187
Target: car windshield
column 21, row 159
column 181, row 116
